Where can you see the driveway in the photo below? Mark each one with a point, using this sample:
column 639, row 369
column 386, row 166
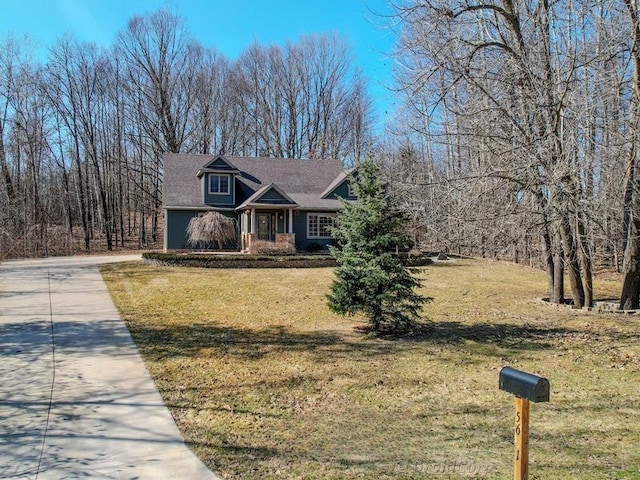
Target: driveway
column 76, row 400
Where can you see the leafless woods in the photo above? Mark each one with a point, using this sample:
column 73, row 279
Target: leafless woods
column 82, row 134
column 517, row 137
column 521, row 131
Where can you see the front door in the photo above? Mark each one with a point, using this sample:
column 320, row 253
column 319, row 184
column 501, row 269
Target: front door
column 264, row 226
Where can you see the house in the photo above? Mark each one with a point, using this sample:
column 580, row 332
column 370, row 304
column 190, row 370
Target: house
column 271, row 199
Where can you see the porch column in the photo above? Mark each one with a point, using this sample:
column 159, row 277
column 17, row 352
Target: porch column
column 290, row 220
column 243, row 231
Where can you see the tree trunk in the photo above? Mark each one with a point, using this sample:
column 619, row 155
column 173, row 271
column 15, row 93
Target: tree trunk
column 558, row 272
column 572, row 263
column 631, row 208
column 584, row 256
column 547, row 250
column 630, row 296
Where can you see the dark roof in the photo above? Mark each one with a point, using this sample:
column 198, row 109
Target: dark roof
column 304, row 181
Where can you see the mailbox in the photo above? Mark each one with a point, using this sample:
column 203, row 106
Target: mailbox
column 524, row 385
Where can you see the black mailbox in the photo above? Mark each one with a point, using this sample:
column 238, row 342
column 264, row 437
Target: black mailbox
column 524, row 385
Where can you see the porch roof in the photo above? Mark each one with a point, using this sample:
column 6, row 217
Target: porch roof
column 254, row 200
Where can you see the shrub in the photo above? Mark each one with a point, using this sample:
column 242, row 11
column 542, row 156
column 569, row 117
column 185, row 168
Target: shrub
column 370, row 279
column 261, row 247
column 239, row 261
column 212, row 227
column 314, row 247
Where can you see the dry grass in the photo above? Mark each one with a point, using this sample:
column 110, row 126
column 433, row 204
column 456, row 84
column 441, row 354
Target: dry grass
column 265, row 382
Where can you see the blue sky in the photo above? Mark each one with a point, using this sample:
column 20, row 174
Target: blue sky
column 228, row 25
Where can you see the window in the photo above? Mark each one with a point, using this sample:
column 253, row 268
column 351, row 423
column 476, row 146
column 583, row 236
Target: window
column 319, row 225
column 218, row 184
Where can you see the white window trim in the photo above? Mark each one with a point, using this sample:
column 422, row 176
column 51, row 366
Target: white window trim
column 228, row 192
column 319, row 214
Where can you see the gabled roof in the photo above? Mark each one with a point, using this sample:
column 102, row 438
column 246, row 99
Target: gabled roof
column 260, row 194
column 337, row 182
column 301, row 181
column 219, row 164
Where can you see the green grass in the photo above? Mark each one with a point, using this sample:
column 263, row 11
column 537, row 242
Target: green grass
column 265, row 382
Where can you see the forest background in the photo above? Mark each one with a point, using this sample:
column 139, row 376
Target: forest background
column 515, row 134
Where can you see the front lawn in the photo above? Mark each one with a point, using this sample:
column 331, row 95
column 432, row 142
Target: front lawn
column 265, row 382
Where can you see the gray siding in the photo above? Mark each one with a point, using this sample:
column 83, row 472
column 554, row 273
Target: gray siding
column 218, row 199
column 300, row 229
column 176, row 222
column 219, row 164
column 273, row 197
column 342, row 191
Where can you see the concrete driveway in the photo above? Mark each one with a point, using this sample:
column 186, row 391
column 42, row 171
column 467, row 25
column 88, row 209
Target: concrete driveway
column 76, row 400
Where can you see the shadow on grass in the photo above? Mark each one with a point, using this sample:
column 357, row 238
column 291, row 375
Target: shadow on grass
column 242, row 460
column 190, row 341
column 161, row 342
column 505, row 335
column 445, row 264
column 248, row 452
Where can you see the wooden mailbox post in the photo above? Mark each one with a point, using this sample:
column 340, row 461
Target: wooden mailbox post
column 526, row 387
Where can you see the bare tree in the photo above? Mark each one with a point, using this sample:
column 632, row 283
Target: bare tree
column 158, row 52
column 498, row 79
column 9, row 65
column 630, row 296
column 75, row 84
column 211, row 104
column 160, row 76
column 305, row 100
column 24, row 161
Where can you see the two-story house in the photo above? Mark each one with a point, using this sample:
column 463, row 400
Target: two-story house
column 271, row 199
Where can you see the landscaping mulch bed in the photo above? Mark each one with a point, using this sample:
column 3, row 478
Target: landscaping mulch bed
column 255, row 261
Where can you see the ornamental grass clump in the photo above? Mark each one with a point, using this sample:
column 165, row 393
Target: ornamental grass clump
column 211, row 227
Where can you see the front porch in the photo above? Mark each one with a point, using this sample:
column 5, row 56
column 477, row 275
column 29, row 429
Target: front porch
column 266, row 225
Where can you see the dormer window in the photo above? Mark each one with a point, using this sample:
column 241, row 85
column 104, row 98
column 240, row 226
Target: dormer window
column 219, row 184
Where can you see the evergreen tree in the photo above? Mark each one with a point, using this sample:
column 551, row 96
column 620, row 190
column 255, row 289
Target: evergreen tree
column 371, row 278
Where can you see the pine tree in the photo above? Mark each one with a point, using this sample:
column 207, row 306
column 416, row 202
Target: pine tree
column 371, row 278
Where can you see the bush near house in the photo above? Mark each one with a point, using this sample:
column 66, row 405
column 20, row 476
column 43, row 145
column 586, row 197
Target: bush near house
column 239, row 261
column 261, row 247
column 257, row 261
